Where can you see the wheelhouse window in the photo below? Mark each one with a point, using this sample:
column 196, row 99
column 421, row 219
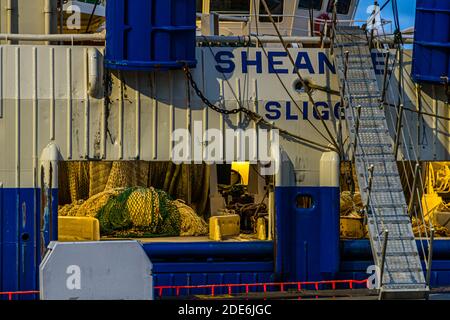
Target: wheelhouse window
column 342, row 7
column 308, row 4
column 276, row 8
column 230, row 6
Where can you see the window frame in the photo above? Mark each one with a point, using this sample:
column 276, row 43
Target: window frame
column 307, row 8
column 237, row 12
column 262, row 12
column 330, row 7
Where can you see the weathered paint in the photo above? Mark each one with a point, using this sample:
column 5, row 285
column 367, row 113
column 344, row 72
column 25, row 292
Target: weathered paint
column 20, row 235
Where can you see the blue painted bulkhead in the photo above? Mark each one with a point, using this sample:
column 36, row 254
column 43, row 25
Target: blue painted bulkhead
column 150, row 35
column 431, row 57
column 22, row 233
column 201, row 263
column 307, row 239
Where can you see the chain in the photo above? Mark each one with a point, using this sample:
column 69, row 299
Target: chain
column 205, row 100
column 250, row 114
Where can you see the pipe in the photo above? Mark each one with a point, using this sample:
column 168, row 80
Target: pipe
column 430, row 258
column 383, row 255
column 95, row 80
column 9, row 19
column 48, row 18
column 209, row 249
column 398, row 130
column 385, row 74
column 101, row 37
column 413, row 190
column 228, row 18
column 49, row 160
column 263, row 39
column 97, row 37
column 270, row 236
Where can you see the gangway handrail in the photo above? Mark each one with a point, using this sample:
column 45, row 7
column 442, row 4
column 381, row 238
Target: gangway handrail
column 419, row 208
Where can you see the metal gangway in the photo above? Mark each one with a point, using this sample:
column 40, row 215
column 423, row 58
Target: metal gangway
column 391, row 236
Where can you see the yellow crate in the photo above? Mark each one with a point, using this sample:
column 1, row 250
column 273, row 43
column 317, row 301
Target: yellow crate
column 352, row 228
column 224, row 226
column 78, row 229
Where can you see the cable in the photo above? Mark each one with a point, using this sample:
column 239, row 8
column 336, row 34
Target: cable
column 292, row 98
column 251, row 115
column 384, row 5
column 416, row 111
column 281, row 81
column 304, row 84
column 92, row 15
column 397, row 32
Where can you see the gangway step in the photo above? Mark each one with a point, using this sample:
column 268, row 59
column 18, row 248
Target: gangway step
column 385, row 174
column 384, row 190
column 387, row 181
column 387, row 205
column 370, row 145
column 399, row 238
column 399, row 218
column 364, row 97
column 363, row 119
column 392, row 224
column 350, row 68
column 368, row 112
column 401, row 270
column 351, row 44
column 358, row 56
column 374, row 157
column 344, row 27
column 371, row 157
column 362, row 80
column 412, row 253
column 396, row 232
column 370, row 126
column 371, row 130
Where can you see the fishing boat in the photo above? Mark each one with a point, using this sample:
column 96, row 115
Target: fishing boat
column 240, row 148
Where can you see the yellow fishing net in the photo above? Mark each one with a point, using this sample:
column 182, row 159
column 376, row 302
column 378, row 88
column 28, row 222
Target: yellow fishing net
column 423, row 229
column 92, row 206
column 70, row 210
column 140, row 203
column 191, row 223
column 350, row 204
column 126, row 174
column 78, row 175
column 99, row 172
column 138, row 212
column 117, row 194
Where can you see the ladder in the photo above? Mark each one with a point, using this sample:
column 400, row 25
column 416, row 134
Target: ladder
column 394, row 251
